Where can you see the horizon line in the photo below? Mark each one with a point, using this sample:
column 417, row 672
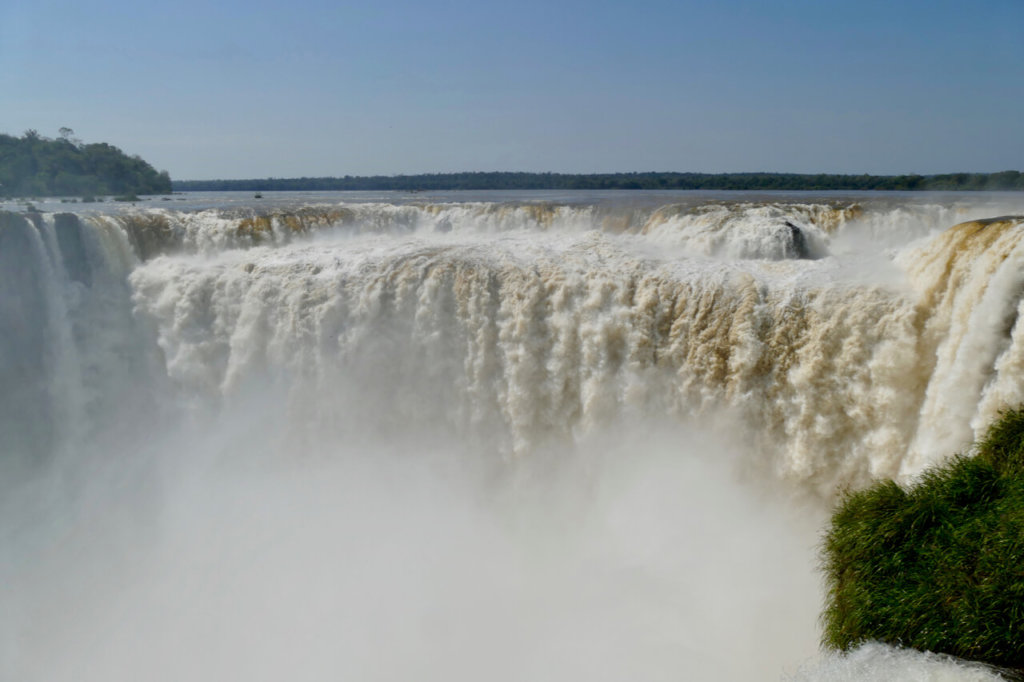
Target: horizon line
column 349, row 176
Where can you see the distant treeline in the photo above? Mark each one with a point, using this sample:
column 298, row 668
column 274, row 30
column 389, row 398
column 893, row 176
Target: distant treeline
column 1006, row 180
column 34, row 166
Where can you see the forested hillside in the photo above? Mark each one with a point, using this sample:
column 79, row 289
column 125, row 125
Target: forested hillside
column 33, row 165
column 1006, row 180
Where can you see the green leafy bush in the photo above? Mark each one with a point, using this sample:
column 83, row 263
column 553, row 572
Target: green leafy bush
column 940, row 566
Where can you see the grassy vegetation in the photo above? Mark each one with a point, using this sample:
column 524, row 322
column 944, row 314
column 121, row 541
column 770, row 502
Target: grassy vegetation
column 938, row 567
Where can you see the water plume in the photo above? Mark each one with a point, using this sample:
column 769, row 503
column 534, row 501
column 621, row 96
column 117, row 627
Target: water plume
column 440, row 439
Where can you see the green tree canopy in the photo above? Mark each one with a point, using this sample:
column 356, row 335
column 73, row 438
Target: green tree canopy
column 33, row 165
column 1006, row 180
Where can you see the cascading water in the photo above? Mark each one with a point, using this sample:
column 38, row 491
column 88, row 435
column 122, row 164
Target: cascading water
column 583, row 438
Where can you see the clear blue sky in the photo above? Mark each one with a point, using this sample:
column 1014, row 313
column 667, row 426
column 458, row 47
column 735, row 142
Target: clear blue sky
column 231, row 89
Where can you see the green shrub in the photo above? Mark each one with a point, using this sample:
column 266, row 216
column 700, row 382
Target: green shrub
column 940, row 566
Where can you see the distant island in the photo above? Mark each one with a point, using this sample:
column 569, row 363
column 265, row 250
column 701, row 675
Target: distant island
column 37, row 166
column 1005, row 180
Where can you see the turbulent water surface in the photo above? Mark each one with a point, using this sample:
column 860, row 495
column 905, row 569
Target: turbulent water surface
column 497, row 436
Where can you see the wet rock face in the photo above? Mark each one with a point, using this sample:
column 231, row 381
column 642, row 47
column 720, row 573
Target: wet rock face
column 799, row 242
column 72, row 247
column 151, row 234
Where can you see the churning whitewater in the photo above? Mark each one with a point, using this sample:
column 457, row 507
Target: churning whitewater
column 513, row 436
